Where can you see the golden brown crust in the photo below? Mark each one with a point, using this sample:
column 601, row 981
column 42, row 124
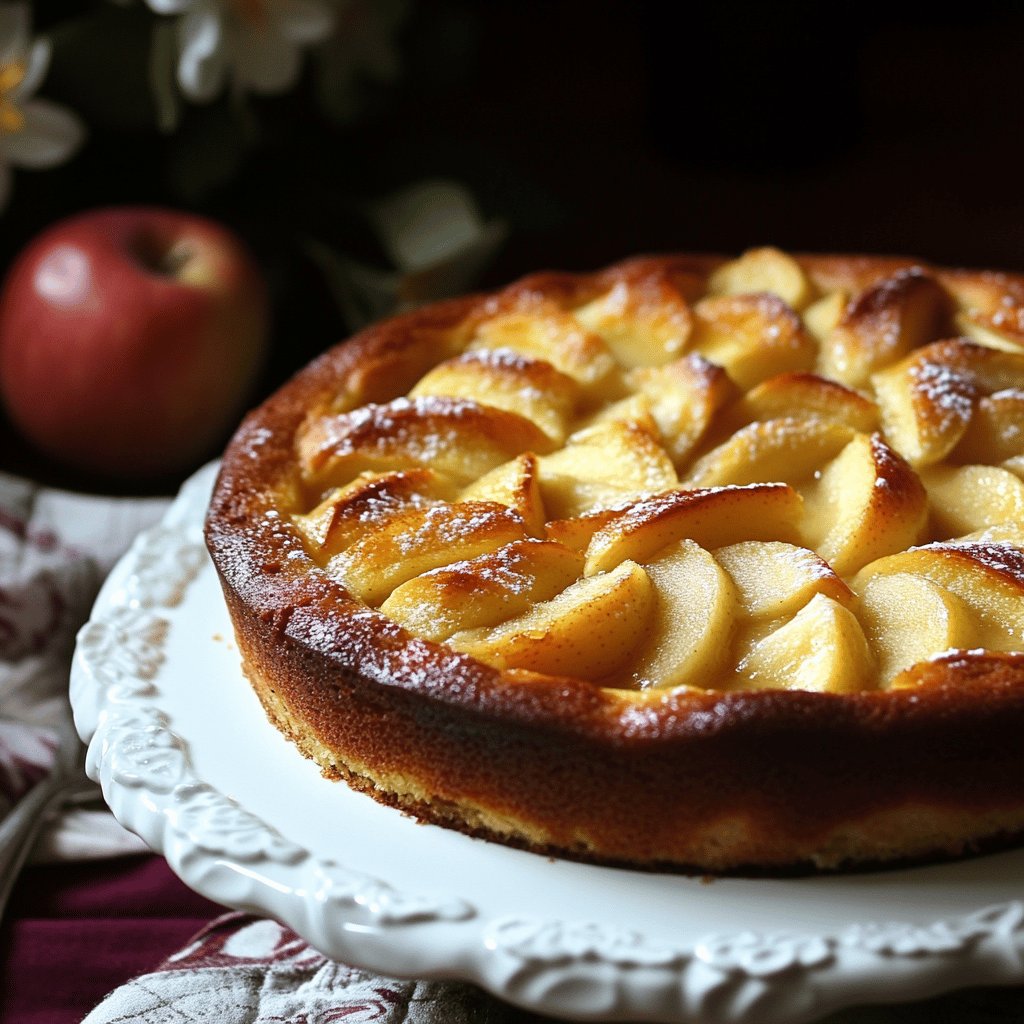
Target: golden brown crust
column 705, row 780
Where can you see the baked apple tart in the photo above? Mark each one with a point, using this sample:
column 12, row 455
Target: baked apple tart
column 693, row 563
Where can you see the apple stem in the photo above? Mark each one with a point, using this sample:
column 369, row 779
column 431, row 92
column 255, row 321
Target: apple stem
column 158, row 259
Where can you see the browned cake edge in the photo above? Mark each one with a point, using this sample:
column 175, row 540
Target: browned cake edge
column 707, row 783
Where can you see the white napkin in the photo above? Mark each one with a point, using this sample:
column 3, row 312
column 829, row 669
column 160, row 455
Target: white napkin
column 55, row 549
column 243, row 970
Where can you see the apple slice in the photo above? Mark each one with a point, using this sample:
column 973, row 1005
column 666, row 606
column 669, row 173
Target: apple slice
column 775, row 580
column 853, row 273
column 683, row 398
column 925, row 408
column 371, row 499
column 483, row 591
column 996, row 430
column 515, row 484
column 990, row 307
column 589, row 631
column 883, row 323
column 783, row 450
column 604, row 465
column 822, row 317
column 821, row 648
column 908, row 618
column 800, row 396
column 1006, row 337
column 713, row 518
column 966, row 498
column 539, row 328
column 644, row 321
column 1000, row 533
column 988, row 577
column 460, row 438
column 764, row 270
column 578, row 531
column 506, row 380
column 927, row 400
column 633, row 409
column 687, row 643
column 421, row 539
column 867, row 503
column 753, row 336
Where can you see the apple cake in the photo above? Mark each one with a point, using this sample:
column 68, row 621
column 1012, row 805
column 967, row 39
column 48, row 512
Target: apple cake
column 695, row 563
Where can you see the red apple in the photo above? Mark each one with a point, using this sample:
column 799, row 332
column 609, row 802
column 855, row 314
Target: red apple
column 129, row 339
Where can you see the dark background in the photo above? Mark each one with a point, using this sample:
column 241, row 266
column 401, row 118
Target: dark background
column 594, row 130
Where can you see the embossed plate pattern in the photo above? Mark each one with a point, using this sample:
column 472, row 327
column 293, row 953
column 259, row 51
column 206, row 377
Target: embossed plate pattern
column 188, row 761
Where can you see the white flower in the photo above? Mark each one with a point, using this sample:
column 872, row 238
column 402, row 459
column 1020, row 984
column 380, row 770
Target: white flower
column 256, row 44
column 33, row 133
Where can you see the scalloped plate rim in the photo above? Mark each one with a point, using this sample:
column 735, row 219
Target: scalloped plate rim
column 580, row 968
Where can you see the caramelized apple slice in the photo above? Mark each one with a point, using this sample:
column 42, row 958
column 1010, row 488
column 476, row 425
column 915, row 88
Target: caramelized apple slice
column 867, row 503
column 695, row 609
column 683, row 398
column 988, row 577
column 393, row 366
column 753, row 336
column 996, row 430
column 801, row 396
column 506, row 380
column 421, row 539
column 783, row 450
column 483, row 591
column 633, row 409
column 713, row 518
column 966, row 498
column 645, row 321
column 539, row 328
column 927, row 400
column 601, row 466
column 775, row 580
column 1000, row 533
column 764, row 270
column 821, row 648
column 459, row 438
column 589, row 631
column 909, row 618
column 990, row 307
column 371, row 499
column 515, row 484
column 883, row 323
column 577, row 532
column 853, row 273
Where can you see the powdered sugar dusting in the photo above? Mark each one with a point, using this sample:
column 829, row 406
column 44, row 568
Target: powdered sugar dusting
column 446, row 525
column 947, row 391
column 417, row 430
column 1001, row 557
column 507, row 568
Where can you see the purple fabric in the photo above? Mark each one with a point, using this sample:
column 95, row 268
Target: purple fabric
column 74, row 932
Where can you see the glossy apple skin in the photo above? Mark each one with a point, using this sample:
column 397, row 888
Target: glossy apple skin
column 130, row 338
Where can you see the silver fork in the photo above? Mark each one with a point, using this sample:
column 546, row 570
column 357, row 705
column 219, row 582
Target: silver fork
column 20, row 828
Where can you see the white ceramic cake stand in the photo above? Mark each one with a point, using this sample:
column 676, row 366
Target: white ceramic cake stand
column 188, row 760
